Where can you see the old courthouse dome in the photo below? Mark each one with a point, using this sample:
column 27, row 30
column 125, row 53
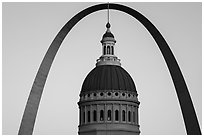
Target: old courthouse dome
column 108, row 74
column 108, row 77
column 108, row 102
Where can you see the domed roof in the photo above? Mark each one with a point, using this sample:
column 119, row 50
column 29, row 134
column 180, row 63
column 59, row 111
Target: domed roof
column 108, row 77
column 108, row 34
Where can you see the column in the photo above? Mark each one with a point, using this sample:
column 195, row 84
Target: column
column 132, row 114
column 91, row 115
column 105, row 113
column 120, row 114
column 112, row 116
column 126, row 114
column 97, row 114
column 85, row 114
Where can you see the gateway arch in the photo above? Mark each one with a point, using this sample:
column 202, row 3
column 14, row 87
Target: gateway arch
column 186, row 105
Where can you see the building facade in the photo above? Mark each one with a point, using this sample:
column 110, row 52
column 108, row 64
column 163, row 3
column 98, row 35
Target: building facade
column 108, row 100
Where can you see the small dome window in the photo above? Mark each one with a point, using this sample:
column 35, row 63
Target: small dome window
column 129, row 116
column 108, row 49
column 116, row 115
column 112, row 52
column 104, row 50
column 89, row 117
column 116, row 94
column 109, row 115
column 94, row 116
column 129, row 95
column 133, row 116
column 123, row 115
column 101, row 115
column 101, row 94
column 109, row 93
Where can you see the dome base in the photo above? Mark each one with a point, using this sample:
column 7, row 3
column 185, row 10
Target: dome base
column 109, row 129
column 108, row 60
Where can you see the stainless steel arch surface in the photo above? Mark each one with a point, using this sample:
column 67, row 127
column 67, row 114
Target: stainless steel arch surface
column 189, row 115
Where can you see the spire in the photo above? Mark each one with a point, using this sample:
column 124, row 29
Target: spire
column 108, row 13
column 108, row 43
column 108, row 36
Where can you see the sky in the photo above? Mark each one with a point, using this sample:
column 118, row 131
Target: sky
column 29, row 28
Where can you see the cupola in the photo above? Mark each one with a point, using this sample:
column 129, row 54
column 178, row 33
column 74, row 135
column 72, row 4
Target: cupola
column 108, row 44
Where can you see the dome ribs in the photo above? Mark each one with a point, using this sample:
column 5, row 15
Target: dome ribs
column 98, row 81
column 95, row 80
column 131, row 81
column 114, row 79
column 91, row 80
column 105, row 79
column 125, row 79
column 128, row 81
column 120, row 79
column 102, row 79
column 108, row 77
column 86, row 81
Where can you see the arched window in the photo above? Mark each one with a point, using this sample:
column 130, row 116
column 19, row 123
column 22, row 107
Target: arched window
column 104, row 50
column 94, row 115
column 84, row 117
column 116, row 115
column 123, row 115
column 101, row 115
column 112, row 51
column 133, row 116
column 109, row 115
column 108, row 50
column 129, row 116
column 89, row 117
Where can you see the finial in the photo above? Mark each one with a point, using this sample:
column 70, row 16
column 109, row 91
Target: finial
column 108, row 25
